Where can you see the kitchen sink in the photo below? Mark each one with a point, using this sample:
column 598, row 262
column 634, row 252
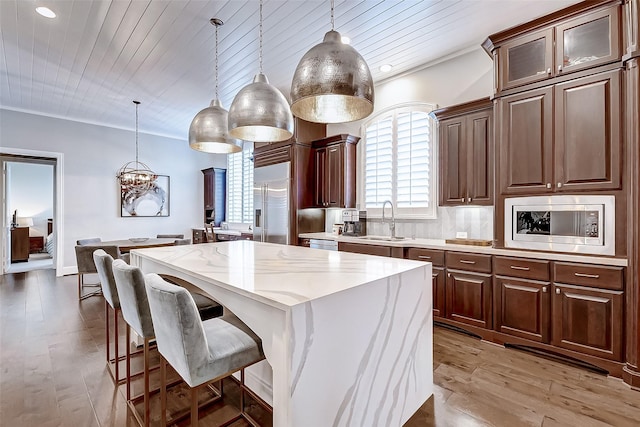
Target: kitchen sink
column 382, row 238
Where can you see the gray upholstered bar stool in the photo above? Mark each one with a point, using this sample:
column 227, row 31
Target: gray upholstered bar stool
column 201, row 352
column 103, row 262
column 134, row 305
column 86, row 265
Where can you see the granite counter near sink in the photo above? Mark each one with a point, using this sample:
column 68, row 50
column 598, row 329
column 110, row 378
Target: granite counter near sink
column 441, row 244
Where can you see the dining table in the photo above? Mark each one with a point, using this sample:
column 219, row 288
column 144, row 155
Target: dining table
column 126, row 245
column 347, row 337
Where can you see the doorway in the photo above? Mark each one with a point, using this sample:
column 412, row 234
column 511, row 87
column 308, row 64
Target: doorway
column 30, row 185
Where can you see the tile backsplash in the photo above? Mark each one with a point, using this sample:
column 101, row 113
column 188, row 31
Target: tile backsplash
column 476, row 221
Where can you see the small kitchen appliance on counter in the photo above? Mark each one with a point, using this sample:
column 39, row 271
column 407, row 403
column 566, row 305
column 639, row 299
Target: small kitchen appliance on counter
column 355, row 223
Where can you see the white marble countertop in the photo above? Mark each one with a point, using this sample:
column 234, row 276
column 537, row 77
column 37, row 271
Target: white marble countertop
column 278, row 275
column 440, row 244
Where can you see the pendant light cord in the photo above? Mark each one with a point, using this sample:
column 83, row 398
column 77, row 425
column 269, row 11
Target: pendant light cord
column 261, row 37
column 332, row 21
column 137, row 103
column 217, row 97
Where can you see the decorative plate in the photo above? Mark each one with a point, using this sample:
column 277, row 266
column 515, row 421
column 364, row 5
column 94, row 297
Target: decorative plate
column 138, row 239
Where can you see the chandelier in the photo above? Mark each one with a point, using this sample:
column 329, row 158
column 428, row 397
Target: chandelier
column 136, row 177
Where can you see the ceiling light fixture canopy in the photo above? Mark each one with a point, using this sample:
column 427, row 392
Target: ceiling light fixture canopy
column 136, row 177
column 260, row 112
column 46, row 12
column 209, row 130
column 332, row 83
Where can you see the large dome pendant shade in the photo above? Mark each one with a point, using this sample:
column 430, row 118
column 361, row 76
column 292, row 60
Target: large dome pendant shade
column 332, row 83
column 260, row 112
column 208, row 131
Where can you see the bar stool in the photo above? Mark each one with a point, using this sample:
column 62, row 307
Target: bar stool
column 134, row 305
column 201, row 352
column 103, row 262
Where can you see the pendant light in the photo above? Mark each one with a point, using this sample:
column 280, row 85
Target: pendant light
column 135, row 177
column 260, row 112
column 209, row 128
column 332, row 83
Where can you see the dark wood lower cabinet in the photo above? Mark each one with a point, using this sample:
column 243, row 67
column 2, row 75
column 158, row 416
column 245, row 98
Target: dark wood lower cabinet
column 439, row 288
column 588, row 320
column 364, row 249
column 521, row 308
column 468, row 297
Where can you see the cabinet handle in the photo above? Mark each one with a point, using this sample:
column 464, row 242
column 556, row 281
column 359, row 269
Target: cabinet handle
column 589, row 276
column 462, row 200
column 549, row 70
column 559, row 184
column 468, row 199
column 464, row 261
column 544, row 289
column 548, row 185
column 424, row 257
column 515, row 267
column 448, row 274
column 559, row 68
column 557, row 291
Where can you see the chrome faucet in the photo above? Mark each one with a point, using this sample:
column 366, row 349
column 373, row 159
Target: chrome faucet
column 392, row 221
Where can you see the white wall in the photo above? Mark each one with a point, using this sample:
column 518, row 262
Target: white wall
column 462, row 78
column 92, row 156
column 30, row 192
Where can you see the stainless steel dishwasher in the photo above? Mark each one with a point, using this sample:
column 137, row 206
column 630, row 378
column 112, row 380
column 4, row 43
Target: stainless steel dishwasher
column 329, row 245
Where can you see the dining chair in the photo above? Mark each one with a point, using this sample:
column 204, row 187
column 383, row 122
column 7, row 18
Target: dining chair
column 86, row 265
column 209, row 234
column 134, row 305
column 103, row 262
column 170, row 236
column 200, row 352
column 88, row 241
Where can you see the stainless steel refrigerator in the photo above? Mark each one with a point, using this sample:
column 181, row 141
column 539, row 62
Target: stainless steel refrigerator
column 271, row 203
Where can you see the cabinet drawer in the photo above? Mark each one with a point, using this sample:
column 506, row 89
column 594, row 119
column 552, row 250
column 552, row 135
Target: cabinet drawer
column 599, row 276
column 224, row 237
column 520, row 267
column 365, row 249
column 469, row 262
column 434, row 256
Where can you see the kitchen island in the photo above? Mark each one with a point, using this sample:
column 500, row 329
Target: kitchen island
column 347, row 337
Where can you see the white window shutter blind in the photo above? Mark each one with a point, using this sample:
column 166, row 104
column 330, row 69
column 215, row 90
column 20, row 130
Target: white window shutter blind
column 379, row 163
column 413, row 160
column 240, row 187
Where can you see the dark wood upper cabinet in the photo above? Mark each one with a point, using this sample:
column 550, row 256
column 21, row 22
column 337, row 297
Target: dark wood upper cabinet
column 584, row 127
column 335, row 171
column 630, row 36
column 466, row 153
column 581, row 36
column 215, row 187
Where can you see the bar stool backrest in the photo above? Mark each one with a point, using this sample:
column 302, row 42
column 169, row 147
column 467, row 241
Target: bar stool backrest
column 133, row 298
column 103, row 262
column 84, row 257
column 179, row 331
column 89, row 241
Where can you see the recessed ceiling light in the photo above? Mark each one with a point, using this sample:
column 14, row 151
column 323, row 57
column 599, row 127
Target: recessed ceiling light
column 345, row 40
column 46, row 12
column 386, row 68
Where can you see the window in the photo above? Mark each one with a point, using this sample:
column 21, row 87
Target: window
column 240, row 185
column 398, row 162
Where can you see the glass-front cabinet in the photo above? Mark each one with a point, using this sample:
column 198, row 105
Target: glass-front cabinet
column 584, row 41
column 588, row 41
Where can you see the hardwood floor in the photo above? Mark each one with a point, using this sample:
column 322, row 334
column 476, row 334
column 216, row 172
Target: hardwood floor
column 53, row 373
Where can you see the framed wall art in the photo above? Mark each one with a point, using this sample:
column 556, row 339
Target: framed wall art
column 152, row 202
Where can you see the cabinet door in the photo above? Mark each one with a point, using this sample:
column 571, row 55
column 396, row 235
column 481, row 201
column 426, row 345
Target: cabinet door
column 588, row 41
column 365, row 249
column 209, row 188
column 453, row 160
column 480, row 163
column 321, row 168
column 521, row 308
column 588, row 133
column 468, row 297
column 439, row 286
column 334, row 176
column 526, row 142
column 631, row 27
column 526, row 59
column 588, row 320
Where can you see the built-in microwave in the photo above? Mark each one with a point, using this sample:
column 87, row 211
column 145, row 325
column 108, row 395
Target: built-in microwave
column 579, row 224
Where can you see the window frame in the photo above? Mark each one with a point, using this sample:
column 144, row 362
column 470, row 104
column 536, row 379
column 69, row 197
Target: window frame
column 429, row 212
column 247, row 154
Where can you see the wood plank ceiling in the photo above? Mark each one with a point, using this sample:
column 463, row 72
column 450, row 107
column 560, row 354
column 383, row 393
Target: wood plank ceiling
column 90, row 62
